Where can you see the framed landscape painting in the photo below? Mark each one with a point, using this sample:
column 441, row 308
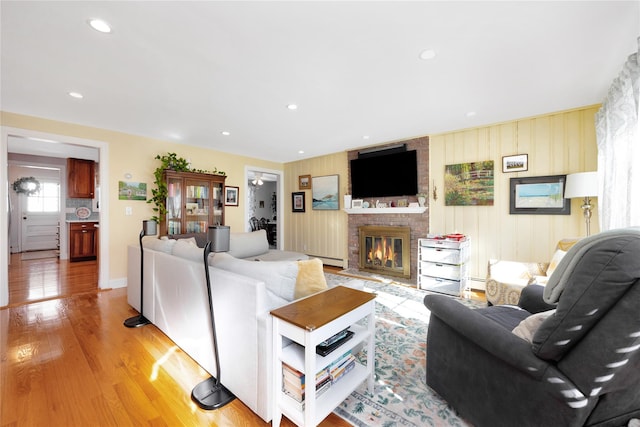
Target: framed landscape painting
column 469, row 184
column 539, row 195
column 324, row 190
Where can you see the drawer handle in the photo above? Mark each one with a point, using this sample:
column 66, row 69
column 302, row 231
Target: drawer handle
column 84, row 231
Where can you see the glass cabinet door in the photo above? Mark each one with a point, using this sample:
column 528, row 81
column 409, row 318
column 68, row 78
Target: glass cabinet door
column 174, row 206
column 197, row 205
column 218, row 203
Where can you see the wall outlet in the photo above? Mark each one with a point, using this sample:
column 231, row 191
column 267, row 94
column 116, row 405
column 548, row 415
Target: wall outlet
column 128, row 210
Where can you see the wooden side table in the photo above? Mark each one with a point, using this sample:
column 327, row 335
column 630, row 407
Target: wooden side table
column 307, row 323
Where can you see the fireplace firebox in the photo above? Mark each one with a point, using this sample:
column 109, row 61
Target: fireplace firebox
column 385, row 250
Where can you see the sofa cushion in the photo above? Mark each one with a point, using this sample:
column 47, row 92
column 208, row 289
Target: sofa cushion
column 160, row 245
column 279, row 276
column 246, row 245
column 310, row 278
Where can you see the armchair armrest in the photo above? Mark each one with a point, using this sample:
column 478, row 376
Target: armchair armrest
column 485, row 333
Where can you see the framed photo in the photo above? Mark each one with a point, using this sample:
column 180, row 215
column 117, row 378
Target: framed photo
column 304, row 182
column 469, row 184
column 402, row 203
column 356, row 203
column 297, row 202
column 516, row 163
column 539, row 195
column 325, row 193
column 231, row 196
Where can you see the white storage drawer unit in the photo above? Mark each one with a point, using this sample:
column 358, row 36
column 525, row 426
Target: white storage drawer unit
column 442, row 264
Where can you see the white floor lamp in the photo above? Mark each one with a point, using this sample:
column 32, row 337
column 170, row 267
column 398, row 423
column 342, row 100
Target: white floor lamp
column 210, row 393
column 583, row 184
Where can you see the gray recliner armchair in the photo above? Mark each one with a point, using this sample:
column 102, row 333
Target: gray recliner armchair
column 582, row 366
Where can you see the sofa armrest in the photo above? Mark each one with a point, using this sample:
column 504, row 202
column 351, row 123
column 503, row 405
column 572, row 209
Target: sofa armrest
column 532, row 301
column 485, row 333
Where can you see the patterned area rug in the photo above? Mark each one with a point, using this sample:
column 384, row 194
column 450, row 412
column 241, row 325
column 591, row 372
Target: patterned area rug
column 401, row 396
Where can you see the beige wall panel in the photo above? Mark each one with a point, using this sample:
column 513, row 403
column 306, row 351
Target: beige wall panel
column 315, row 232
column 557, row 144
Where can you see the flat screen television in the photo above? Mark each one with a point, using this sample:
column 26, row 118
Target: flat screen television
column 385, row 175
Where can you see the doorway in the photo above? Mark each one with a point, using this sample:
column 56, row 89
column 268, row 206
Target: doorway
column 264, row 203
column 21, row 142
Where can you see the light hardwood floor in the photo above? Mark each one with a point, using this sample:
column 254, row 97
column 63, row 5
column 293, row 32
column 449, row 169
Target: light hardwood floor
column 69, row 361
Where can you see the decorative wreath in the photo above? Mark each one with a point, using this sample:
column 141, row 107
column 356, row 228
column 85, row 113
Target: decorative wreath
column 27, row 185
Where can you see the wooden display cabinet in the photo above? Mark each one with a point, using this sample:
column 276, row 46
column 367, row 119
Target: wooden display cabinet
column 194, row 202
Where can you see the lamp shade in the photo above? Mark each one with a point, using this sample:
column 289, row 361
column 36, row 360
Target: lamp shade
column 219, row 236
column 149, row 227
column 583, row 184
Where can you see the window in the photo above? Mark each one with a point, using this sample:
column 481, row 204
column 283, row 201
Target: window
column 45, row 200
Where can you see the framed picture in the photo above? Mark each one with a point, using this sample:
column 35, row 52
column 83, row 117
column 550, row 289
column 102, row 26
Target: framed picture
column 469, row 184
column 231, row 196
column 132, row 190
column 516, row 163
column 356, row 203
column 304, row 182
column 297, row 202
column 539, row 195
column 325, row 193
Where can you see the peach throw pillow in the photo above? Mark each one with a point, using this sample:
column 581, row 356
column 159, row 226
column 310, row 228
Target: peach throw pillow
column 310, row 278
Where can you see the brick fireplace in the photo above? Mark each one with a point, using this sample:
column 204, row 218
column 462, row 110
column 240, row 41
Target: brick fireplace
column 418, row 224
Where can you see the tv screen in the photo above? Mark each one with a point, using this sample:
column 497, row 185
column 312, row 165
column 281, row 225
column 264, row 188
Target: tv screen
column 393, row 174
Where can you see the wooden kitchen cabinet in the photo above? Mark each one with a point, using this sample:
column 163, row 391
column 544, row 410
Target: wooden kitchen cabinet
column 83, row 241
column 81, row 178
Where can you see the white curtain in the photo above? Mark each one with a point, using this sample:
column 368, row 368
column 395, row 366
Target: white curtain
column 618, row 137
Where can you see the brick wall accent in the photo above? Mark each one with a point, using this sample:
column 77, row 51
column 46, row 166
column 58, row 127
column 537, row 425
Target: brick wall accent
column 419, row 223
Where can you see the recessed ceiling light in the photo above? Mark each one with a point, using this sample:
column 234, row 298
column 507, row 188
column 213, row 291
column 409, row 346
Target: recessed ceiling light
column 225, row 133
column 301, row 152
column 77, row 95
column 292, row 107
column 100, row 25
column 365, row 137
column 427, row 54
column 471, row 114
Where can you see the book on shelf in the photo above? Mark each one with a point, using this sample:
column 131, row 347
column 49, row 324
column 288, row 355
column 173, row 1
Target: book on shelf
column 293, row 382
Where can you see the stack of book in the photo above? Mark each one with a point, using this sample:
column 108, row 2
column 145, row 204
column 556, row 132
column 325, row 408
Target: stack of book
column 293, row 383
column 341, row 366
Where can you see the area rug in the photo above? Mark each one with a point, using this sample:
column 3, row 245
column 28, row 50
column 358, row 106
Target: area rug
column 25, row 256
column 401, row 396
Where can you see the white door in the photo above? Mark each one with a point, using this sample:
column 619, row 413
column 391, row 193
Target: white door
column 39, row 219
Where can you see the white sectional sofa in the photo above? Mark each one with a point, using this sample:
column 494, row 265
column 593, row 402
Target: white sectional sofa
column 243, row 293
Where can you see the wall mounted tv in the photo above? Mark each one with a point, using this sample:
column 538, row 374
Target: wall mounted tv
column 384, row 173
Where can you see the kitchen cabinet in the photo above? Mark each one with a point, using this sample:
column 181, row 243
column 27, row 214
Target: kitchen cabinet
column 83, row 241
column 81, row 178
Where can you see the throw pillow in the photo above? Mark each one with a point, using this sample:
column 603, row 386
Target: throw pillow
column 528, row 327
column 555, row 260
column 190, row 240
column 188, row 250
column 310, row 278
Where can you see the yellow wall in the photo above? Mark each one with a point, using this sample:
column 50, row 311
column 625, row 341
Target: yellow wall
column 558, row 143
column 315, row 232
column 136, row 155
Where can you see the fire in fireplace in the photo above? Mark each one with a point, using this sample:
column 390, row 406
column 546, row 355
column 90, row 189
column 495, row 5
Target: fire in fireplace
column 385, row 250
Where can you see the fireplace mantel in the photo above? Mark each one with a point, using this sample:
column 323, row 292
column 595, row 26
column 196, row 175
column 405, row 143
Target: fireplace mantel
column 418, row 210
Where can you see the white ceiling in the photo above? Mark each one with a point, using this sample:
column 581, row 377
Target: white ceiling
column 186, row 71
